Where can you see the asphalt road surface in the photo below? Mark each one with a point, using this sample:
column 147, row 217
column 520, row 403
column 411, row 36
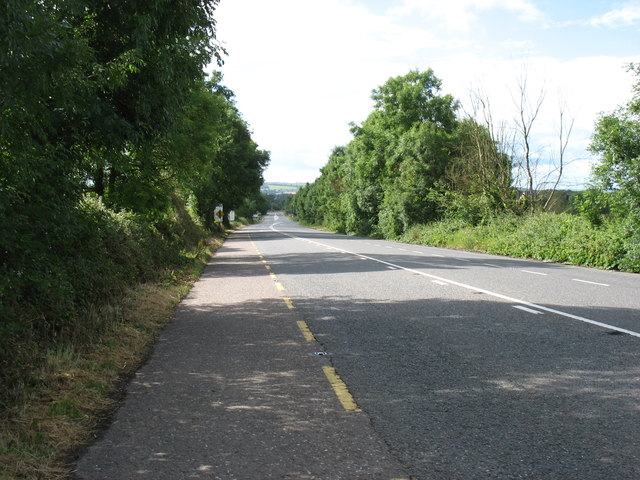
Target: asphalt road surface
column 450, row 365
column 472, row 365
column 235, row 390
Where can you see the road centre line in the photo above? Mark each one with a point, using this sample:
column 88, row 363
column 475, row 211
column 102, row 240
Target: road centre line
column 306, row 331
column 480, row 290
column 526, row 309
column 592, row 283
column 534, row 273
column 280, row 287
column 341, row 390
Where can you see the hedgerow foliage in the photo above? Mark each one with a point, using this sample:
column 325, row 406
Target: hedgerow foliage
column 563, row 238
column 114, row 150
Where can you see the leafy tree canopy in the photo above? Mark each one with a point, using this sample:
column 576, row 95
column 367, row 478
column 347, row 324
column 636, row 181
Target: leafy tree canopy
column 107, row 124
column 617, row 142
column 413, row 98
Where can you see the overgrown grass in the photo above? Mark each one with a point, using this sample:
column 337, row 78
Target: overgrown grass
column 57, row 408
column 563, row 238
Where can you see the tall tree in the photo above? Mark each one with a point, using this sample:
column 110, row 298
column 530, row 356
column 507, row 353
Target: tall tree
column 480, row 175
column 422, row 123
column 148, row 56
column 381, row 182
column 232, row 163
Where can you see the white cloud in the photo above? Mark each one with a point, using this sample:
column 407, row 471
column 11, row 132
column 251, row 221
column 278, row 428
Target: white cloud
column 624, row 16
column 460, row 15
column 588, row 85
column 303, row 70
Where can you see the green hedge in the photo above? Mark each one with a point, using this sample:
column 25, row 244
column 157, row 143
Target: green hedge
column 81, row 258
column 563, row 238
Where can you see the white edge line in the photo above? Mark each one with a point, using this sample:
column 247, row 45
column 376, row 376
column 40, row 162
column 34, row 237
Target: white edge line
column 488, row 292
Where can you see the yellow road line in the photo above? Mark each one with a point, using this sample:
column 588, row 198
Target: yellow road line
column 279, row 285
column 306, row 331
column 341, row 390
column 254, row 245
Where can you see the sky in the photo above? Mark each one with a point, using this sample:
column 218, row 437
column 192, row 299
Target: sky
column 302, row 70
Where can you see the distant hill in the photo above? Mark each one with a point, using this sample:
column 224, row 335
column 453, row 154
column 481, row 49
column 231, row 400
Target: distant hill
column 276, row 188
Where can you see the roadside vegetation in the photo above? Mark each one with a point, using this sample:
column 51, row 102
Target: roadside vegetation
column 115, row 149
column 418, row 170
column 65, row 397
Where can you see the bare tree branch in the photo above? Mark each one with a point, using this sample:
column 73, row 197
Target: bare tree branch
column 528, row 112
column 563, row 140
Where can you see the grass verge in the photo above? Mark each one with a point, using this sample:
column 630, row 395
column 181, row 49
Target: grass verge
column 61, row 406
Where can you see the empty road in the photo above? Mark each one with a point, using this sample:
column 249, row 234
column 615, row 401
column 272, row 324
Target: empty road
column 472, row 365
column 302, row 354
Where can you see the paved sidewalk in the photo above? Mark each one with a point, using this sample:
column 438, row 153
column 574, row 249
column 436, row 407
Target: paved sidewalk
column 232, row 391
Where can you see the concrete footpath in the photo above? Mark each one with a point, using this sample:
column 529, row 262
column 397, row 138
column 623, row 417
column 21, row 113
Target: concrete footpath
column 233, row 391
